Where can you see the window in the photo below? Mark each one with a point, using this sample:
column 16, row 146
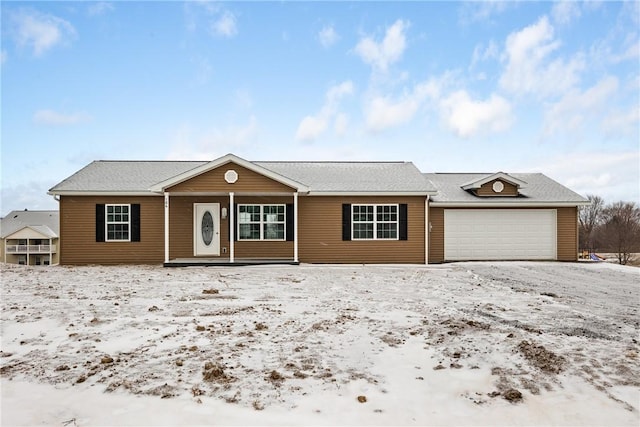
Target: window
column 261, row 222
column 117, row 223
column 375, row 222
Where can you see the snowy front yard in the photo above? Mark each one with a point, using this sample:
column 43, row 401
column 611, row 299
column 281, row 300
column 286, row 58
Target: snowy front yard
column 462, row 344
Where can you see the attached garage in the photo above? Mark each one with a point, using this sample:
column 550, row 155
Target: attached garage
column 499, row 216
column 500, row 234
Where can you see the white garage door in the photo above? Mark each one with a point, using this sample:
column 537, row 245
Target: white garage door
column 499, row 234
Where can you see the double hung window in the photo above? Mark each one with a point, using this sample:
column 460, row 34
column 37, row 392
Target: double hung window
column 372, row 222
column 117, row 223
column 261, row 222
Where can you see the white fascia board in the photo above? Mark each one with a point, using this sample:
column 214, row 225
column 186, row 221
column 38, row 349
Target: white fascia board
column 229, row 158
column 371, row 193
column 499, row 175
column 102, row 193
column 540, row 204
column 226, row 193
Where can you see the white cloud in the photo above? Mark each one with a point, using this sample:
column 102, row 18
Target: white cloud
column 467, row 117
column 473, row 11
column 40, row 31
column 340, row 124
column 328, row 36
column 529, row 68
column 218, row 21
column 99, row 8
column 389, row 50
column 53, row 118
column 311, row 127
column 190, row 144
column 482, row 53
column 563, row 12
column 225, row 25
column 575, row 109
column 612, row 175
column 625, row 123
column 383, row 111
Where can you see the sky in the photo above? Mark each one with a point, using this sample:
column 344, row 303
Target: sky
column 551, row 87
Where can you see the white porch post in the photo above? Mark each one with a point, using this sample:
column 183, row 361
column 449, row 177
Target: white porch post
column 232, row 230
column 166, row 227
column 50, row 252
column 5, row 251
column 27, row 251
column 295, row 227
column 427, row 231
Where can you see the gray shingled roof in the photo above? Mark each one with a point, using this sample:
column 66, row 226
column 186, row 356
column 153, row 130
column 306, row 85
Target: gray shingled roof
column 539, row 188
column 139, row 176
column 44, row 222
column 353, row 176
column 126, row 176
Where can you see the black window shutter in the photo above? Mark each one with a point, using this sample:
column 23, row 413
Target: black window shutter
column 346, row 221
column 289, row 222
column 135, row 223
column 99, row 223
column 402, row 223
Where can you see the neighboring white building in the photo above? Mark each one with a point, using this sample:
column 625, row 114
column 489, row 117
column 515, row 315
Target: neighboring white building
column 30, row 237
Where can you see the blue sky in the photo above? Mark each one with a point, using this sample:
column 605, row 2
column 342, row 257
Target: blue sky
column 451, row 86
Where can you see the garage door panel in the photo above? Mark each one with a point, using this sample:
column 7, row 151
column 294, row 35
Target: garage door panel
column 499, row 234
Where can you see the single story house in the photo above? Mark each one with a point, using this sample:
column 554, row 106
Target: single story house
column 29, row 237
column 234, row 211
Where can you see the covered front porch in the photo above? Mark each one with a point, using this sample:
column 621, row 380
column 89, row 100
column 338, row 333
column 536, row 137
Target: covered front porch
column 218, row 229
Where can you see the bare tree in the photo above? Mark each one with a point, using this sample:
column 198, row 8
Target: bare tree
column 590, row 217
column 621, row 229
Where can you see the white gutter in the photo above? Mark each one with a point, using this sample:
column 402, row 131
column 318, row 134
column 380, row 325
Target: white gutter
column 512, row 204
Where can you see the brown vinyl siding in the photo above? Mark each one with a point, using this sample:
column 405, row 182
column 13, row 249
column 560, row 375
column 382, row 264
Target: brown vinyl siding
column 213, row 181
column 436, row 236
column 566, row 229
column 320, row 232
column 78, row 232
column 567, row 226
column 486, row 189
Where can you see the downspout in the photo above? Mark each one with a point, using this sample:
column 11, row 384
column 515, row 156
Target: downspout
column 427, row 231
column 58, row 249
column 295, row 227
column 231, row 229
column 166, row 227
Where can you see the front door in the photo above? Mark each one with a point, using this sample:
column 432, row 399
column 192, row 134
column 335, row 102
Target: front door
column 206, row 229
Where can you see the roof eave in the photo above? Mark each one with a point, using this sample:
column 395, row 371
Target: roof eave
column 102, row 193
column 373, row 193
column 510, row 204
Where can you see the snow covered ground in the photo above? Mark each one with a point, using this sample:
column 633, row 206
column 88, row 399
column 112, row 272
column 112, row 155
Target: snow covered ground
column 516, row 343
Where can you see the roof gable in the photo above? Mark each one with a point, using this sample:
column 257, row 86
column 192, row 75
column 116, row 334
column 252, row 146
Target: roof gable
column 42, row 222
column 229, row 158
column 479, row 182
column 32, row 232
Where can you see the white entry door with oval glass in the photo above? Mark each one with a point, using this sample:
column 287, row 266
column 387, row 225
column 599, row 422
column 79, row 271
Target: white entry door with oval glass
column 206, row 229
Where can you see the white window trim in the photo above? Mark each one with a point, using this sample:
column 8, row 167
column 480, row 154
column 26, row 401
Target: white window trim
column 106, row 223
column 262, row 223
column 375, row 221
